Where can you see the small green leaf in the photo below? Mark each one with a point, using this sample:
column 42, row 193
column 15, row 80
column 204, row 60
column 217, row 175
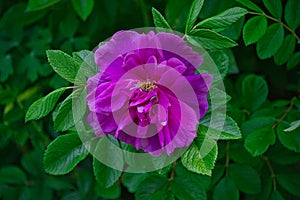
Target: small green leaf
column 294, row 61
column 87, row 64
column 276, row 195
column 106, row 176
column 218, row 97
column 293, row 126
column 159, row 20
column 32, row 162
column 291, row 139
column 193, row 14
column 186, row 189
column 200, row 157
column 209, row 39
column 224, row 19
column 292, row 14
column 245, row 178
column 254, row 92
column 201, row 181
column 221, row 59
column 249, row 4
column 64, row 153
column 219, row 127
column 83, row 8
column 254, row 29
column 226, row 190
column 6, row 67
column 258, row 141
column 44, row 105
column 57, row 183
column 64, row 118
column 256, row 123
column 12, row 175
column 63, row 64
column 71, row 110
column 34, row 5
column 154, row 188
column 269, row 44
column 286, row 50
column 274, row 7
column 113, row 192
column 290, row 182
column 132, row 180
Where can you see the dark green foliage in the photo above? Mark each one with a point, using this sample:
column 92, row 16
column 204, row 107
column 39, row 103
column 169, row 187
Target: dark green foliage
column 44, row 43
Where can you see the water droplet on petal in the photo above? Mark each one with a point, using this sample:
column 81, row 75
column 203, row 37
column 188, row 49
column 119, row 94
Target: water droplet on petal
column 140, row 109
column 164, row 123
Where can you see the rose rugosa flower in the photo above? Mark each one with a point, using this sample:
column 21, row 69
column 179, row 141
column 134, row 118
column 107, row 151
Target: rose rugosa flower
column 147, row 93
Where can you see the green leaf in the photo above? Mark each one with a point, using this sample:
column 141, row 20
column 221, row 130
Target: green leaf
column 219, row 127
column 63, row 64
column 193, row 14
column 254, row 29
column 274, row 7
column 186, row 189
column 70, row 111
column 290, row 182
column 240, row 155
column 224, row 19
column 132, row 180
column 6, row 68
column 64, row 120
column 291, row 139
column 292, row 14
column 201, row 181
column 113, row 192
column 106, row 176
column 294, row 125
column 87, row 64
column 209, row 39
column 249, row 4
column 12, row 175
column 200, row 157
column 152, row 188
column 58, row 183
column 44, row 105
column 159, row 20
column 254, row 92
column 245, row 178
column 256, row 123
column 286, row 50
column 269, row 44
column 177, row 13
column 294, row 61
column 34, row 5
column 221, row 59
column 226, row 190
column 83, row 8
column 218, row 97
column 64, row 153
column 276, row 195
column 258, row 141
column 32, row 162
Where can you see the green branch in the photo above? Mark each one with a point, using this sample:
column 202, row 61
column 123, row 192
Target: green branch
column 278, row 21
column 271, row 171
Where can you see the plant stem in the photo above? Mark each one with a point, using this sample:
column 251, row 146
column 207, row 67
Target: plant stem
column 271, row 171
column 227, row 157
column 284, row 114
column 278, row 21
column 172, row 171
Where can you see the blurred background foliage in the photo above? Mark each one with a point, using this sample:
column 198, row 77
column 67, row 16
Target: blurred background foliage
column 28, row 29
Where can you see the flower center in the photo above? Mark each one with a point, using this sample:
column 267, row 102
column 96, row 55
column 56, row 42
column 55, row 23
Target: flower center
column 147, row 86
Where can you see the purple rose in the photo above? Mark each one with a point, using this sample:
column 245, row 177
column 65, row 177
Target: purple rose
column 147, row 93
